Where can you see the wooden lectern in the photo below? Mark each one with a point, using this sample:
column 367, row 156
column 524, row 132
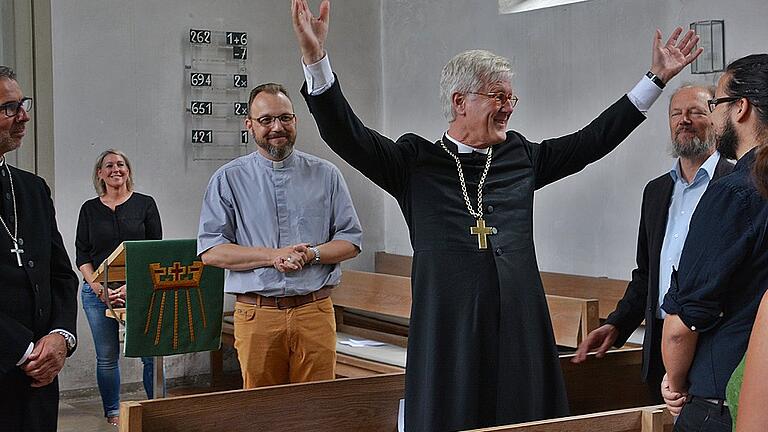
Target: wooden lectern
column 173, row 301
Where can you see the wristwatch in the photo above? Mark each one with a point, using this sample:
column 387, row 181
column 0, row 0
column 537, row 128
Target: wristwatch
column 68, row 338
column 316, row 251
column 656, row 79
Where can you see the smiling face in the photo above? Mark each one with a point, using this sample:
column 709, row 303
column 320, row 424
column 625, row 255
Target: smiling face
column 481, row 121
column 114, row 172
column 689, row 123
column 12, row 129
column 276, row 139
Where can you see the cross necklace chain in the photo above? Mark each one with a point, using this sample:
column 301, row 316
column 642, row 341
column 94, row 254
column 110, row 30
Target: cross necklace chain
column 479, row 229
column 14, row 237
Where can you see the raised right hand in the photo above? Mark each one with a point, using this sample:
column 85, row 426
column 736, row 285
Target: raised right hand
column 600, row 339
column 310, row 31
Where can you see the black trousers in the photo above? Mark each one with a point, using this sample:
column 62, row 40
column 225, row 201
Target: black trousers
column 655, row 367
column 701, row 415
column 27, row 409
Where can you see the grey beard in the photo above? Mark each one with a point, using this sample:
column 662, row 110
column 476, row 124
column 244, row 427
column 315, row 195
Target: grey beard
column 278, row 153
column 694, row 149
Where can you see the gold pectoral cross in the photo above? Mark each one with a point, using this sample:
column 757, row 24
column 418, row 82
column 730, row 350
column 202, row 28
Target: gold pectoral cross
column 482, row 232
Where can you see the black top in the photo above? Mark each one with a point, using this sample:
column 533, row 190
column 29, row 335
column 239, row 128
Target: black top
column 480, row 335
column 101, row 230
column 722, row 276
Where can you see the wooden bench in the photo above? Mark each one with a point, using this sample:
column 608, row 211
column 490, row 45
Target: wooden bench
column 379, row 296
column 367, row 302
column 607, row 291
column 377, row 306
column 617, row 374
column 355, row 404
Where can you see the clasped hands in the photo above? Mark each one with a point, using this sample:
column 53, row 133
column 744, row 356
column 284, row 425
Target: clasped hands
column 46, row 360
column 116, row 296
column 673, row 399
column 292, row 258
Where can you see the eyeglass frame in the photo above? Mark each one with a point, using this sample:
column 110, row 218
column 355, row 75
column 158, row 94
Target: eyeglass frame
column 713, row 103
column 508, row 97
column 18, row 104
column 273, row 118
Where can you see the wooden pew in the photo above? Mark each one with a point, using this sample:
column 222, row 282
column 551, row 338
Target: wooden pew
column 357, row 404
column 385, row 297
column 367, row 404
column 607, row 291
column 643, row 419
column 390, row 296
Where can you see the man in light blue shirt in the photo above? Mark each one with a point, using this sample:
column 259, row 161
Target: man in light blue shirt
column 280, row 221
column 668, row 203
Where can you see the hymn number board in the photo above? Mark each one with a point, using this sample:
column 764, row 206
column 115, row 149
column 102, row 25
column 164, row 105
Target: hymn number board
column 217, row 93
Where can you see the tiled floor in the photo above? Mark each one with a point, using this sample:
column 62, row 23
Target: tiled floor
column 80, row 413
column 86, row 414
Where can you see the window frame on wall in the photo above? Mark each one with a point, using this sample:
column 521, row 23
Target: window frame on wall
column 30, row 55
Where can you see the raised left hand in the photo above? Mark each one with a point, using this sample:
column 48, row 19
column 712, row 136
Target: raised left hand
column 46, row 360
column 669, row 59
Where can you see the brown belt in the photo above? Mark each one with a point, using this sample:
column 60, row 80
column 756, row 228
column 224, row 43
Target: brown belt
column 285, row 302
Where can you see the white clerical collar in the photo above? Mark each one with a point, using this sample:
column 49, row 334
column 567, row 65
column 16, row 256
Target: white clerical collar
column 463, row 148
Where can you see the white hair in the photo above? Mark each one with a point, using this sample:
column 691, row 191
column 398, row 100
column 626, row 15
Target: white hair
column 469, row 71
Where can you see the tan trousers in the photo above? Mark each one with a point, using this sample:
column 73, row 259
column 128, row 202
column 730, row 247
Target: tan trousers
column 280, row 346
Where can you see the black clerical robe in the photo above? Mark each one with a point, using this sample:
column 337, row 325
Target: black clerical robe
column 481, row 350
column 35, row 298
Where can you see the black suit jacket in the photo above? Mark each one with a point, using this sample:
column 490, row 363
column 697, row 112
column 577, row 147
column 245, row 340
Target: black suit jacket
column 42, row 296
column 641, row 300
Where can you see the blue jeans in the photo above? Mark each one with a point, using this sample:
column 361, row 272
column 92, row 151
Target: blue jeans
column 105, row 340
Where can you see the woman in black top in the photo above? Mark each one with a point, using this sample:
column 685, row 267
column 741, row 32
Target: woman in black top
column 116, row 215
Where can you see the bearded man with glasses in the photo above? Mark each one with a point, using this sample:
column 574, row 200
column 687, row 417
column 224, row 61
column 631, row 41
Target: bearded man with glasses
column 481, row 350
column 280, row 221
column 38, row 295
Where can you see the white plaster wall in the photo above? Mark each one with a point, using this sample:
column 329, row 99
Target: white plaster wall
column 119, row 81
column 570, row 62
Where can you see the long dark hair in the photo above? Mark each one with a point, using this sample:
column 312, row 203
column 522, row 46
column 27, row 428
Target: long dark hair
column 749, row 79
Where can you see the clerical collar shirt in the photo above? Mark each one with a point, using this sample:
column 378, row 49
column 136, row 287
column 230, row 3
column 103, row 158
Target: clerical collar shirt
column 685, row 198
column 253, row 201
column 722, row 277
column 463, row 148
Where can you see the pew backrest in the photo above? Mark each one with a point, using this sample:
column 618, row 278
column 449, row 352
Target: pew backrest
column 388, row 295
column 361, row 404
column 607, row 291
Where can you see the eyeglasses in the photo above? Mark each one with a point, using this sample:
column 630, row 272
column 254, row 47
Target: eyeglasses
column 268, row 120
column 12, row 108
column 501, row 98
column 715, row 102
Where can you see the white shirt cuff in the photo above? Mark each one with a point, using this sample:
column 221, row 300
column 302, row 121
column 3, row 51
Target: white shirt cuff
column 62, row 330
column 644, row 94
column 319, row 76
column 26, row 354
